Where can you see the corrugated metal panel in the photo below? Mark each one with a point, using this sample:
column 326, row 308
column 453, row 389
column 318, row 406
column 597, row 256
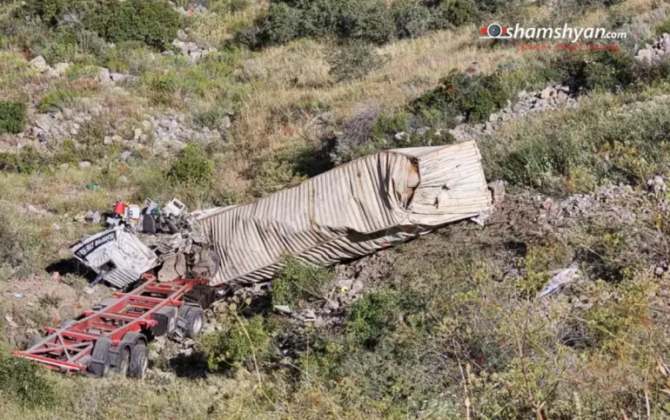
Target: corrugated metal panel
column 351, row 211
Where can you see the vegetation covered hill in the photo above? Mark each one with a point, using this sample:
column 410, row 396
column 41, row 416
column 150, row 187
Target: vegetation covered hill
column 220, row 102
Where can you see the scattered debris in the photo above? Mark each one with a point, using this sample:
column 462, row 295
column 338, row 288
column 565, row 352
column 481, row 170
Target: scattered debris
column 561, row 279
column 17, row 295
column 10, row 321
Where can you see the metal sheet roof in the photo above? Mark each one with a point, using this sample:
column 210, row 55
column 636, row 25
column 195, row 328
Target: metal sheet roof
column 350, row 211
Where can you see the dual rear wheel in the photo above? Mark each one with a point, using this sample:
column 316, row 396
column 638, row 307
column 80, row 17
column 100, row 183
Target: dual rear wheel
column 130, row 358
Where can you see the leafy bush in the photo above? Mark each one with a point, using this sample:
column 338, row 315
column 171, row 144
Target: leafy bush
column 412, row 19
column 193, row 167
column 25, row 381
column 366, row 20
column 353, row 61
column 476, row 97
column 12, row 117
column 373, row 315
column 662, row 27
column 604, row 70
column 54, row 100
column 242, row 343
column 283, row 24
column 450, row 13
column 26, row 161
column 154, row 23
column 298, row 281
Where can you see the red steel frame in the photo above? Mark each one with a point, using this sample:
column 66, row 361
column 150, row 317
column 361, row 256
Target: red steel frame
column 66, row 349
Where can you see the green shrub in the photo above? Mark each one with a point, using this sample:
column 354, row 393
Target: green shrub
column 610, row 71
column 495, row 6
column 210, row 118
column 152, row 22
column 367, row 20
column 242, row 344
column 372, row 316
column 353, row 61
column 283, row 24
column 412, row 19
column 228, row 6
column 603, row 70
column 12, row 117
column 25, row 381
column 321, row 17
column 662, row 27
column 476, row 97
column 192, row 167
column 54, row 100
column 26, row 161
column 49, row 11
column 298, row 281
column 82, row 71
column 450, row 13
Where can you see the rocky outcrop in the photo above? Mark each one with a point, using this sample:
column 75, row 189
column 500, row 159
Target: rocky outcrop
column 528, row 103
column 655, row 52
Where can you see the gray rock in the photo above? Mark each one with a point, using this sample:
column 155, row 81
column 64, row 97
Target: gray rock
column 645, row 54
column 357, row 286
column 283, row 309
column 137, row 133
column 181, row 35
column 84, row 164
column 39, row 64
column 104, row 76
column 61, row 68
column 126, row 155
column 548, row 92
column 332, row 305
column 45, row 122
column 117, row 77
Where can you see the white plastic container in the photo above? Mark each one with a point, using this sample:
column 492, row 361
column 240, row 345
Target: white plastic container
column 133, row 214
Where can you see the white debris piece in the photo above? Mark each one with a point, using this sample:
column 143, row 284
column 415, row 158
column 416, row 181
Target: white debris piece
column 560, row 279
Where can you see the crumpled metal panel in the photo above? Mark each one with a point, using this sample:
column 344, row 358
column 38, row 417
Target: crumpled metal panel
column 351, row 211
column 121, row 248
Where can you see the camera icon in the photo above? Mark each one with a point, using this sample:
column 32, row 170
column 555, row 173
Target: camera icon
column 494, row 30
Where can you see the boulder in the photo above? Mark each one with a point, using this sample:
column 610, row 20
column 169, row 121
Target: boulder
column 61, row 68
column 645, row 54
column 104, row 76
column 39, row 64
column 548, row 92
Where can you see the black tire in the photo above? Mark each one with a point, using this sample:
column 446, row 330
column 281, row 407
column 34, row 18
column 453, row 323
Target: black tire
column 100, row 357
column 123, row 360
column 139, row 360
column 194, row 319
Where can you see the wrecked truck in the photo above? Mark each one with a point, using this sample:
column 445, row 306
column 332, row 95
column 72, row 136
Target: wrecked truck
column 351, row 211
column 354, row 210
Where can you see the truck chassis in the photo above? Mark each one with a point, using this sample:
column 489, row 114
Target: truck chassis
column 116, row 332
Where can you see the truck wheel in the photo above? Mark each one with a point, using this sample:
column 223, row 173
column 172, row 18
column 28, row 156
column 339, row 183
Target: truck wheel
column 139, row 360
column 194, row 319
column 100, row 357
column 123, row 361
